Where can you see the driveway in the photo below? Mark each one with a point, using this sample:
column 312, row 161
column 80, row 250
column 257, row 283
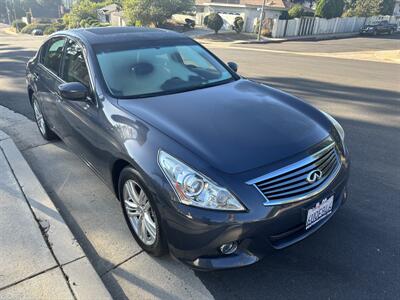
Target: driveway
column 355, row 255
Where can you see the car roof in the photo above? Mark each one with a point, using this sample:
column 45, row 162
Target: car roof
column 105, row 35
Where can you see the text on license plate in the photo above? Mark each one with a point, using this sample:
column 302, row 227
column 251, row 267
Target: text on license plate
column 319, row 211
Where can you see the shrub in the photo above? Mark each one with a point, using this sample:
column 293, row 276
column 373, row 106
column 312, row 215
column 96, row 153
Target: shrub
column 296, row 11
column 238, row 24
column 18, row 24
column 49, row 30
column 266, row 32
column 205, row 21
column 329, row 8
column 29, row 28
column 215, row 22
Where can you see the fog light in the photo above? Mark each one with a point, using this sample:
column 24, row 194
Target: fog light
column 228, row 248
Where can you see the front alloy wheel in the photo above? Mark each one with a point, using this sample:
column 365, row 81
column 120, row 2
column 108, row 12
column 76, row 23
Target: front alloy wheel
column 140, row 212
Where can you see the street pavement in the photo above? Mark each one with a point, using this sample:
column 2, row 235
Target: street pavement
column 355, row 255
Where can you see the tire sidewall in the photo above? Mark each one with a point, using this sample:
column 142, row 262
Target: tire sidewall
column 159, row 247
column 48, row 134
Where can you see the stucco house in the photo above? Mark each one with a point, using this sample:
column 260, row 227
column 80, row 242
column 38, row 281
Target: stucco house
column 111, row 14
column 249, row 10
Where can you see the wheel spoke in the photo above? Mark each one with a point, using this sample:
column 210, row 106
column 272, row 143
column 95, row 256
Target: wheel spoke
column 142, row 198
column 130, row 204
column 133, row 192
column 150, row 225
column 142, row 229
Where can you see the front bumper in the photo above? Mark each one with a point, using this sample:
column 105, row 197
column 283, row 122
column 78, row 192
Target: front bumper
column 195, row 234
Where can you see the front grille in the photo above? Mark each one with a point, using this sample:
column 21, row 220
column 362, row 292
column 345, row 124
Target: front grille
column 295, row 182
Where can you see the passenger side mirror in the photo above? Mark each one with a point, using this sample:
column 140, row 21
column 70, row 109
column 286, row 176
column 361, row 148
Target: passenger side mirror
column 233, row 66
column 74, row 91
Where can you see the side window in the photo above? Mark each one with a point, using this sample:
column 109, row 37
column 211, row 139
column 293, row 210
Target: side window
column 75, row 69
column 52, row 54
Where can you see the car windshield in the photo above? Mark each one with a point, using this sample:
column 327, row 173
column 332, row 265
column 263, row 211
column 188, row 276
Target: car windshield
column 131, row 70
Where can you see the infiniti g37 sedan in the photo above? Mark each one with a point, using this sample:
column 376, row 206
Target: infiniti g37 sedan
column 210, row 166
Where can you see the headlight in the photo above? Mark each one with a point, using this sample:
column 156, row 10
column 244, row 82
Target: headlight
column 194, row 188
column 335, row 123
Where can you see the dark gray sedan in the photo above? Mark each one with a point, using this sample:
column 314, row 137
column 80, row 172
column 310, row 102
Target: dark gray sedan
column 210, row 166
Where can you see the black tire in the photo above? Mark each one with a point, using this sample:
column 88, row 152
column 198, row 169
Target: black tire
column 158, row 248
column 42, row 124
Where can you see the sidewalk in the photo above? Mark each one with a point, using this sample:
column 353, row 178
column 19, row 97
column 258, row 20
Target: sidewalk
column 39, row 257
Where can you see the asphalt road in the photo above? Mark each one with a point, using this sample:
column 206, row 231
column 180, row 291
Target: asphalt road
column 355, row 255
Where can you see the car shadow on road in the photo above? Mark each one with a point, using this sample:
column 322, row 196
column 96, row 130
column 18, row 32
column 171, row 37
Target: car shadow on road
column 383, row 101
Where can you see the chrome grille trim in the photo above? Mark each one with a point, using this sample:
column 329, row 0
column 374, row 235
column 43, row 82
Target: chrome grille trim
column 288, row 184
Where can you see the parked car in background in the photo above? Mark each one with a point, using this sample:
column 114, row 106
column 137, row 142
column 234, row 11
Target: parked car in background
column 37, row 32
column 212, row 167
column 378, row 27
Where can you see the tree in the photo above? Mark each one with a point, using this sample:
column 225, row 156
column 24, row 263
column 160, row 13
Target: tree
column 387, row 7
column 296, row 11
column 154, row 12
column 82, row 11
column 215, row 22
column 362, row 8
column 330, row 8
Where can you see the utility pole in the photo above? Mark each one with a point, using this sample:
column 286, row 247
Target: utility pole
column 261, row 21
column 15, row 16
column 8, row 13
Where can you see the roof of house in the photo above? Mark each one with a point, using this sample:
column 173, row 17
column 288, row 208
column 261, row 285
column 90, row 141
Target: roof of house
column 110, row 8
column 268, row 3
column 274, row 4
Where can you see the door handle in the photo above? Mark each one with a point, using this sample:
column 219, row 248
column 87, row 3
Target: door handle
column 35, row 76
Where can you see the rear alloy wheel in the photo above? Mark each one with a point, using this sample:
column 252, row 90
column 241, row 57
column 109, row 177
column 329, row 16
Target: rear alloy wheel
column 140, row 212
column 44, row 129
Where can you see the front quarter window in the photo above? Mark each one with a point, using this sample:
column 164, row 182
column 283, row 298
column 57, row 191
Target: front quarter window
column 74, row 65
column 52, row 54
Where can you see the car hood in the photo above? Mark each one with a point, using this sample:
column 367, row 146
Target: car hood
column 234, row 127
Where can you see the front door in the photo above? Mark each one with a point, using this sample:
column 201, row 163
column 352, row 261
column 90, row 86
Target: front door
column 48, row 79
column 84, row 121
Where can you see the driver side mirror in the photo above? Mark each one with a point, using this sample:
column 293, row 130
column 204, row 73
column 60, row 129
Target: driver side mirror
column 233, row 66
column 74, row 91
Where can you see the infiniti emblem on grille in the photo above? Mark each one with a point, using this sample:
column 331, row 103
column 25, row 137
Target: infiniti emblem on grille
column 314, row 176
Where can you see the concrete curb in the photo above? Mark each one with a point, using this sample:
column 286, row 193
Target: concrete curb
column 82, row 277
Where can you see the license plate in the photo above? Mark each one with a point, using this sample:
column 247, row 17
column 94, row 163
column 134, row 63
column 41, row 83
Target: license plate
column 319, row 211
